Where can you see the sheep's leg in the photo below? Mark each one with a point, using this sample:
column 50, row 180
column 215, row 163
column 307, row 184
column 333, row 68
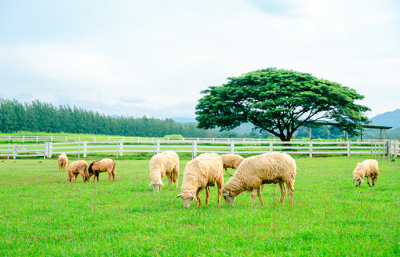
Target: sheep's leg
column 198, row 202
column 109, row 177
column 290, row 187
column 226, row 170
column 208, row 192
column 368, row 181
column 76, row 177
column 259, row 196
column 253, row 195
column 283, row 192
column 374, row 181
column 169, row 181
column 262, row 187
column 219, row 185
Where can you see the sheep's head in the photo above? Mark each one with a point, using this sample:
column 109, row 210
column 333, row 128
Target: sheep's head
column 358, row 181
column 187, row 199
column 156, row 186
column 229, row 200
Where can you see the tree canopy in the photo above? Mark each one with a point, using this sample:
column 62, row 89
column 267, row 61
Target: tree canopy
column 280, row 101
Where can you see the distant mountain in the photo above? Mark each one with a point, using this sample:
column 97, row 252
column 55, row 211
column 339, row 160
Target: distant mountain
column 390, row 119
column 184, row 120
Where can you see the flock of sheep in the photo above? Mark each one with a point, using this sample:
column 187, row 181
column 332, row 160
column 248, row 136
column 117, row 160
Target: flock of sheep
column 206, row 170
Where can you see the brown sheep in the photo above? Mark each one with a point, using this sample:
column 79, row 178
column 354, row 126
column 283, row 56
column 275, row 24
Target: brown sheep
column 102, row 165
column 231, row 161
column 62, row 162
column 368, row 168
column 76, row 168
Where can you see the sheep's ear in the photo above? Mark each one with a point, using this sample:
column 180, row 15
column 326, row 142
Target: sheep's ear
column 178, row 196
column 151, row 183
column 162, row 183
column 362, row 181
column 227, row 193
column 194, row 197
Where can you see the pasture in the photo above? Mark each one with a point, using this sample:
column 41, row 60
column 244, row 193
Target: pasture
column 43, row 214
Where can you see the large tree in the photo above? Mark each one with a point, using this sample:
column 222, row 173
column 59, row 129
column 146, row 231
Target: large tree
column 280, row 101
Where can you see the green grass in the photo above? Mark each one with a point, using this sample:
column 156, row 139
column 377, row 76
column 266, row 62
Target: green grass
column 42, row 214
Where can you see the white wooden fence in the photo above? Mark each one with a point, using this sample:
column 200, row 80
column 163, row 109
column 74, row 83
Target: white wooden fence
column 195, row 147
column 59, row 139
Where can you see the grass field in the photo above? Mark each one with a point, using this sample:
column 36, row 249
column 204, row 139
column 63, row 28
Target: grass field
column 42, row 214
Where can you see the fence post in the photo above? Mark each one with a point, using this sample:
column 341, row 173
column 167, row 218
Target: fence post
column 84, row 149
column 44, row 150
column 51, row 139
column 37, row 139
column 371, row 149
column 50, row 150
column 158, row 146
column 270, row 146
column 9, row 139
column 23, row 139
column 383, row 151
column 8, row 151
column 348, row 148
column 388, row 149
column 395, row 150
column 311, row 145
column 194, row 149
column 15, row 151
column 121, row 148
column 79, row 148
column 232, row 147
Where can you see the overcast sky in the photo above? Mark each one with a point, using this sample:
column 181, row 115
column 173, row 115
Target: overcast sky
column 153, row 58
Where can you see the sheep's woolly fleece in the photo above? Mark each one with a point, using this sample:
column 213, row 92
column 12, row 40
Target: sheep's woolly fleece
column 78, row 167
column 62, row 162
column 204, row 170
column 368, row 168
column 162, row 164
column 231, row 161
column 262, row 169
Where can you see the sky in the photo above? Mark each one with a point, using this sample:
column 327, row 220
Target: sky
column 153, row 58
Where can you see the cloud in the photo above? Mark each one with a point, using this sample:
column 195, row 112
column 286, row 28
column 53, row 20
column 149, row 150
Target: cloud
column 154, row 57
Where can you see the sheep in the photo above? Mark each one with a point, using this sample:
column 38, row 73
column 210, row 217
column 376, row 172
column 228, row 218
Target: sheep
column 200, row 173
column 165, row 163
column 231, row 161
column 258, row 170
column 101, row 166
column 76, row 168
column 62, row 162
column 367, row 168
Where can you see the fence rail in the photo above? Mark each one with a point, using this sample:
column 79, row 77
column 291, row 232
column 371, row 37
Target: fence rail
column 195, row 147
column 55, row 139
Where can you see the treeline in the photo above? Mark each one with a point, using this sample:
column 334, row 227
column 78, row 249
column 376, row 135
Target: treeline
column 44, row 117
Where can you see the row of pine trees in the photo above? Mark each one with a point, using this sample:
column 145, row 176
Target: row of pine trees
column 38, row 116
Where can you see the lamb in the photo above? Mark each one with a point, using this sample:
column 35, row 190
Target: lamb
column 76, row 168
column 62, row 162
column 200, row 173
column 367, row 168
column 262, row 169
column 231, row 161
column 165, row 163
column 101, row 166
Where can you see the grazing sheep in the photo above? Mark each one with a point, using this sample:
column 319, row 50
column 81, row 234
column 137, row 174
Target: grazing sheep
column 200, row 173
column 165, row 163
column 62, row 162
column 367, row 168
column 262, row 169
column 231, row 161
column 102, row 165
column 76, row 168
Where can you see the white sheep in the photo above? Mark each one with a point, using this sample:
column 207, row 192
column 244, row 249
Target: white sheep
column 258, row 170
column 200, row 173
column 76, row 168
column 161, row 165
column 231, row 161
column 102, row 165
column 62, row 162
column 367, row 168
